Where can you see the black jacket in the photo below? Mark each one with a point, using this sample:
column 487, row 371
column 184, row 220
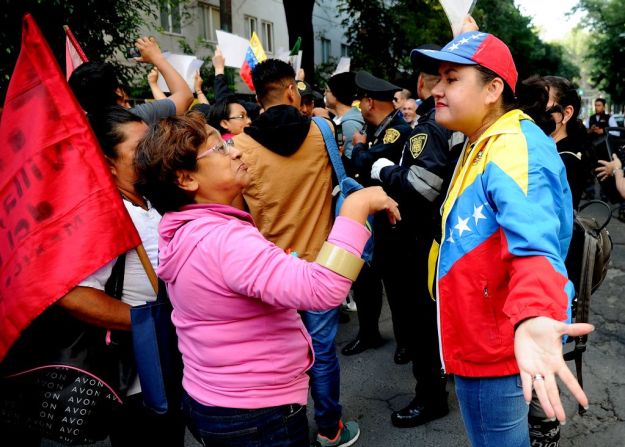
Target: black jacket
column 384, row 141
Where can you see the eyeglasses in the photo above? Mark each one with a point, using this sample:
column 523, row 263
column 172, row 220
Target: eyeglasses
column 242, row 116
column 223, row 147
column 395, row 99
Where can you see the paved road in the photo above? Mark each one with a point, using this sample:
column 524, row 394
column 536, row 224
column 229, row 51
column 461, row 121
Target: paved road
column 373, row 385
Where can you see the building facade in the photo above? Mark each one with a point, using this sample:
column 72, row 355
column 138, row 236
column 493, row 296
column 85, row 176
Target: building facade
column 192, row 24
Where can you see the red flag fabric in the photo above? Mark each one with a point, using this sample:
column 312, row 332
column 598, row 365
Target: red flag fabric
column 61, row 216
column 74, row 55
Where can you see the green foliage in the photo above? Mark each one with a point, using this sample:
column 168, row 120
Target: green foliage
column 104, row 29
column 382, row 33
column 606, row 21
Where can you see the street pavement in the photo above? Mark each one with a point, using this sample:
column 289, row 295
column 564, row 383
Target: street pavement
column 373, row 386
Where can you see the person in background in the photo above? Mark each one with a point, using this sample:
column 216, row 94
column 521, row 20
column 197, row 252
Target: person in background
column 502, row 288
column 409, row 110
column 307, row 96
column 570, row 134
column 386, row 133
column 229, row 117
column 400, row 97
column 339, row 95
column 235, row 294
column 97, row 87
column 223, row 92
column 290, row 198
column 419, row 183
column 599, row 121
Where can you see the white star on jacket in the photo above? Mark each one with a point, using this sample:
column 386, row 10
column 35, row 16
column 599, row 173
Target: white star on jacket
column 477, row 213
column 462, row 225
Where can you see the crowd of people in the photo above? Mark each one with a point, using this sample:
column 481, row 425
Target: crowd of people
column 471, row 187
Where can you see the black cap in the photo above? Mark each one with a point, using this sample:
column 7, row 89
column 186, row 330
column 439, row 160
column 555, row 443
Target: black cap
column 304, row 88
column 343, row 87
column 422, row 63
column 375, row 88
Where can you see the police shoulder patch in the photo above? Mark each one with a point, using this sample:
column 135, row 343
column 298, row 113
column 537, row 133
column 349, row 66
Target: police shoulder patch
column 417, row 143
column 391, row 136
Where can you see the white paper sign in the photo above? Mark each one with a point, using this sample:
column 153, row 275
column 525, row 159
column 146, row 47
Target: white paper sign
column 184, row 64
column 296, row 61
column 342, row 66
column 456, row 11
column 233, row 48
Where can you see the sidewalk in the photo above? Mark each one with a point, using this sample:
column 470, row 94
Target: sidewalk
column 373, row 386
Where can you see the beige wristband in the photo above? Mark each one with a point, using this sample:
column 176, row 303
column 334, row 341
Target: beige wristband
column 340, row 261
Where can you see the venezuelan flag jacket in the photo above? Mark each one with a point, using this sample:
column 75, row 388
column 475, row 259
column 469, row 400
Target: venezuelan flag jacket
column 507, row 223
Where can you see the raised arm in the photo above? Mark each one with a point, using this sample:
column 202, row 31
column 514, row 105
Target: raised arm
column 180, row 92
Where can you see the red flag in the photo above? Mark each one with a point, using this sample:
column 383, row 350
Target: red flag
column 61, row 216
column 74, row 55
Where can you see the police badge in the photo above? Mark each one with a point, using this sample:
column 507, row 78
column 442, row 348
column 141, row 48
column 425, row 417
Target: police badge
column 417, row 143
column 391, row 136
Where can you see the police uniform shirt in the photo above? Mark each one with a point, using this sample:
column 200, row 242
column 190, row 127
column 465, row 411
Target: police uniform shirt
column 429, row 156
column 385, row 141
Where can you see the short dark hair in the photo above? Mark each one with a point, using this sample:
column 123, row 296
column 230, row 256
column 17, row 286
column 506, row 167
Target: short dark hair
column 94, row 85
column 106, row 127
column 220, row 111
column 509, row 101
column 270, row 77
column 169, row 146
column 601, row 100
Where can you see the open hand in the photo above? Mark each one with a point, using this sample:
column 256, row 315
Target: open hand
column 607, row 167
column 538, row 350
column 149, row 49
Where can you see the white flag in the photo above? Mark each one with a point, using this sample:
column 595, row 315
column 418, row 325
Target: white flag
column 456, row 11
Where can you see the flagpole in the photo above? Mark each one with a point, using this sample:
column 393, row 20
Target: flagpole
column 77, row 46
column 147, row 266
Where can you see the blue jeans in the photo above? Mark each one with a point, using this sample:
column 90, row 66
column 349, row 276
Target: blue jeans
column 284, row 426
column 325, row 374
column 494, row 411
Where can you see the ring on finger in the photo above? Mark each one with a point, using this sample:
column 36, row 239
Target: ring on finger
column 538, row 377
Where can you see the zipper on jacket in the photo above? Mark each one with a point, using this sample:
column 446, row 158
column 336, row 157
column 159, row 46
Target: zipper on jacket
column 457, row 170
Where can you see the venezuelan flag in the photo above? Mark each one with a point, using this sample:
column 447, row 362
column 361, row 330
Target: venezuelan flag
column 253, row 56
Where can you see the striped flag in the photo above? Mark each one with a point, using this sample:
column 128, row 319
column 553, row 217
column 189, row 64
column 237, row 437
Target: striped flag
column 74, row 55
column 253, row 56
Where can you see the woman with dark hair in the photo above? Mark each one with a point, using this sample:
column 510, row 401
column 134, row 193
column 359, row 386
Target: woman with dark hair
column 228, row 117
column 503, row 291
column 570, row 134
column 235, row 294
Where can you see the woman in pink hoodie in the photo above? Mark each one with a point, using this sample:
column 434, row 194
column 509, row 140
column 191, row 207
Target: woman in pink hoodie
column 235, row 294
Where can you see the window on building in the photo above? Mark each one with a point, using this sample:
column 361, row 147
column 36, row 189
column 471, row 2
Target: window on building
column 344, row 50
column 267, row 36
column 170, row 17
column 251, row 26
column 325, row 50
column 211, row 22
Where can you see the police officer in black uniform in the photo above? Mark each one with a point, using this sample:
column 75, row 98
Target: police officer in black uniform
column 386, row 133
column 419, row 184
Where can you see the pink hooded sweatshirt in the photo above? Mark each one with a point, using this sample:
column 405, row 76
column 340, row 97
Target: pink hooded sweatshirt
column 235, row 296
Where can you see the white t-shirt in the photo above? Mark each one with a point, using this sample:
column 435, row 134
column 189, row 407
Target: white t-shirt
column 137, row 288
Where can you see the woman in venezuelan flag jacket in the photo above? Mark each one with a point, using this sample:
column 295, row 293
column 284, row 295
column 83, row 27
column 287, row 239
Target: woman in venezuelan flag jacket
column 503, row 291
